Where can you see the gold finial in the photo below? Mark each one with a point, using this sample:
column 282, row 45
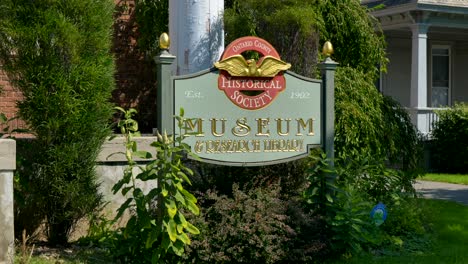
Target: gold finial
column 164, row 41
column 327, row 49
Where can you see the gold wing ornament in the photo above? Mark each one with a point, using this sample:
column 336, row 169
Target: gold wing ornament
column 236, row 65
column 271, row 66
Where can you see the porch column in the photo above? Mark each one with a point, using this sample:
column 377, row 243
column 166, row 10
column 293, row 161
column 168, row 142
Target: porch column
column 418, row 97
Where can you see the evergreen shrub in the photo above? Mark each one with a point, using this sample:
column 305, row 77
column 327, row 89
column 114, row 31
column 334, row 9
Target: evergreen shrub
column 57, row 53
column 450, row 140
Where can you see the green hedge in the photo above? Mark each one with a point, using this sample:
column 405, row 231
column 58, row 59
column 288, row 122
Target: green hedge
column 450, row 140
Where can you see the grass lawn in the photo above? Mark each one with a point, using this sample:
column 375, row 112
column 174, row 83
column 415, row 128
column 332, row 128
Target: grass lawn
column 450, row 238
column 450, row 178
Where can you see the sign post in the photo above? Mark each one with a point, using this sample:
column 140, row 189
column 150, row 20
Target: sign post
column 328, row 68
column 164, row 89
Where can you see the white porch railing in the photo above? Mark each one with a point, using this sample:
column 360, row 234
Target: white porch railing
column 425, row 119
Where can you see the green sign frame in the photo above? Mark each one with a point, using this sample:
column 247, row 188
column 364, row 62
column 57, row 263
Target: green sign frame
column 224, row 133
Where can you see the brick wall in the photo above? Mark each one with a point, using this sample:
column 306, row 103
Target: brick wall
column 135, row 76
column 135, row 79
column 8, row 98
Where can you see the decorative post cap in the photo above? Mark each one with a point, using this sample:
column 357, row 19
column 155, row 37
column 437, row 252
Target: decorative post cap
column 164, row 41
column 327, row 49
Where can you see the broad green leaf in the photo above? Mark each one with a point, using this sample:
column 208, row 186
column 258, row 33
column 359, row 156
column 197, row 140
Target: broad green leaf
column 171, row 208
column 188, row 196
column 142, row 154
column 188, row 170
column 165, row 241
column 152, row 195
column 184, row 176
column 180, row 228
column 184, row 238
column 192, row 229
column 133, row 146
column 179, row 197
column 119, row 109
column 164, row 191
column 153, row 236
column 315, row 190
column 182, row 219
column 329, row 198
column 126, row 189
column 172, row 230
column 123, row 207
column 171, row 212
column 174, row 167
column 131, row 224
column 179, row 186
column 178, row 248
column 193, row 207
column 131, row 111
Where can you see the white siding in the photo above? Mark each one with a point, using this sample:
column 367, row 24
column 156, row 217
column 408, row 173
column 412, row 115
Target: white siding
column 397, row 81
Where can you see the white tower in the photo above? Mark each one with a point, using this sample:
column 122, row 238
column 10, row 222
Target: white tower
column 196, row 32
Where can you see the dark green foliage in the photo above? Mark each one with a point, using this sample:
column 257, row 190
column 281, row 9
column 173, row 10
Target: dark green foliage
column 290, row 26
column 353, row 34
column 249, row 227
column 27, row 196
column 407, row 228
column 63, row 66
column 371, row 131
column 374, row 180
column 359, row 127
column 404, row 146
column 450, row 140
column 367, row 124
column 290, row 176
column 152, row 17
column 371, row 128
column 344, row 207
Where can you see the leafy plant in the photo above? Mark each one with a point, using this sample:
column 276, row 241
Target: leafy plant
column 345, row 208
column 450, row 140
column 355, row 35
column 322, row 189
column 157, row 231
column 248, row 227
column 290, row 26
column 368, row 126
column 152, row 17
column 57, row 53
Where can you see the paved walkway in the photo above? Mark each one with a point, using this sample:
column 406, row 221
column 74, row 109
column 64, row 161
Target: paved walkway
column 444, row 191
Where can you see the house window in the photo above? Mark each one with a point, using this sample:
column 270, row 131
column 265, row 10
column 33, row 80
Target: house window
column 440, row 92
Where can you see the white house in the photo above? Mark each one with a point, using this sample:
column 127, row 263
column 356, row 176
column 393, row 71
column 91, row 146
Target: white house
column 428, row 52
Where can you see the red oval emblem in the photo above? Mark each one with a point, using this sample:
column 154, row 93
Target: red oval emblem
column 251, row 84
